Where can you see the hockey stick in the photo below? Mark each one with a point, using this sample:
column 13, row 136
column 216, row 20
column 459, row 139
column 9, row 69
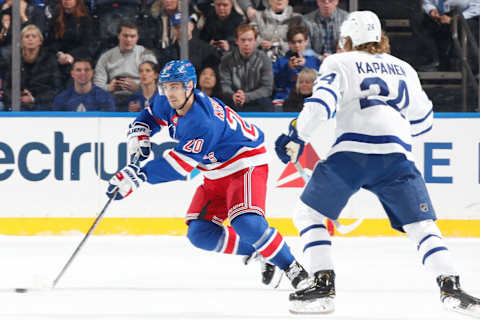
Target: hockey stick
column 341, row 228
column 92, row 228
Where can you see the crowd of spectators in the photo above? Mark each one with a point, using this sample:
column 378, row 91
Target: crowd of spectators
column 256, row 55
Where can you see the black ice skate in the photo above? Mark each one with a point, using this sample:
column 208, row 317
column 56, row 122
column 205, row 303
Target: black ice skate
column 298, row 276
column 317, row 298
column 455, row 299
column 267, row 268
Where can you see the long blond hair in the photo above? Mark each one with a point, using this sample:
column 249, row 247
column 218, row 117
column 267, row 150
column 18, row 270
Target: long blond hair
column 371, row 47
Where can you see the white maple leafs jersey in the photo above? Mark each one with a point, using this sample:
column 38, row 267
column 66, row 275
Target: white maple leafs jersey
column 377, row 100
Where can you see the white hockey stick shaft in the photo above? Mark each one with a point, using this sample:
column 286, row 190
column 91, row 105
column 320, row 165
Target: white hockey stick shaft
column 343, row 229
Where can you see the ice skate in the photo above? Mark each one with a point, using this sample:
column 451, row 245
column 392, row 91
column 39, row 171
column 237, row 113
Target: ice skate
column 455, row 299
column 317, row 298
column 298, row 276
column 267, row 268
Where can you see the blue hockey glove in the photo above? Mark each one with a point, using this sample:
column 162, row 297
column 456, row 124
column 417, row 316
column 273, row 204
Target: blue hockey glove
column 138, row 140
column 289, row 147
column 126, row 180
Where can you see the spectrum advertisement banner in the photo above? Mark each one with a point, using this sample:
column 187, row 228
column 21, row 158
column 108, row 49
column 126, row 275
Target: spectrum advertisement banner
column 59, row 167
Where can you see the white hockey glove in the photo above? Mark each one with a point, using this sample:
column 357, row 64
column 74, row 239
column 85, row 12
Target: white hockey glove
column 125, row 180
column 138, row 141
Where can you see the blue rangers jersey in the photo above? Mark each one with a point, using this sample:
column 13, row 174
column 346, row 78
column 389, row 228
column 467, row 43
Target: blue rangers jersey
column 210, row 137
column 377, row 101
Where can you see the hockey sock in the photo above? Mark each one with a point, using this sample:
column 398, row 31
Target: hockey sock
column 432, row 250
column 317, row 244
column 266, row 240
column 209, row 236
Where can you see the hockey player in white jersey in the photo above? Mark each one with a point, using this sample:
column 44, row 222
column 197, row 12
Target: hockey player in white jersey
column 379, row 105
column 232, row 155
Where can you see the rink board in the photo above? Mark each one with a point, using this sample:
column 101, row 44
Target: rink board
column 54, row 169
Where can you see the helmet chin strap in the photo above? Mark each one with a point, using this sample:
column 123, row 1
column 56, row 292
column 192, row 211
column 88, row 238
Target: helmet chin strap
column 186, row 99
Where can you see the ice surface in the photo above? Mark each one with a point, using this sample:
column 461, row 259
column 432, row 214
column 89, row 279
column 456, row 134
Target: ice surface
column 164, row 277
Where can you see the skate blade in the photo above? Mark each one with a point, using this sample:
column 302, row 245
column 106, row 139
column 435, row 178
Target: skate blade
column 317, row 306
column 472, row 311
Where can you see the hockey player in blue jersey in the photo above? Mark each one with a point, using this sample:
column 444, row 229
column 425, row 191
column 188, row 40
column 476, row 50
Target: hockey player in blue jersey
column 233, row 158
column 378, row 104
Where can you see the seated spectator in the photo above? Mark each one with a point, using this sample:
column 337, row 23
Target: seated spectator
column 5, row 37
column 164, row 11
column 250, row 7
column 117, row 69
column 207, row 82
column 246, row 76
column 324, row 27
column 220, row 25
column 71, row 34
column 40, row 77
column 150, row 28
column 272, row 25
column 433, row 26
column 303, row 89
column 200, row 53
column 29, row 14
column 83, row 95
column 109, row 14
column 148, row 87
column 287, row 68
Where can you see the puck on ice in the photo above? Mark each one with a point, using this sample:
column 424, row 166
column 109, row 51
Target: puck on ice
column 20, row 290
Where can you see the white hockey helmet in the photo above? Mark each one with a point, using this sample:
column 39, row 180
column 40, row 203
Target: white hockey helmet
column 362, row 27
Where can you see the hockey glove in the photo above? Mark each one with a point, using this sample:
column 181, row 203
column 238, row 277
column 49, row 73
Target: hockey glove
column 125, row 180
column 138, row 140
column 289, row 147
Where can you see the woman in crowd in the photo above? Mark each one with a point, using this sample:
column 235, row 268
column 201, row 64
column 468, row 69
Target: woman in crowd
column 294, row 102
column 272, row 25
column 148, row 72
column 71, row 34
column 40, row 77
column 207, row 82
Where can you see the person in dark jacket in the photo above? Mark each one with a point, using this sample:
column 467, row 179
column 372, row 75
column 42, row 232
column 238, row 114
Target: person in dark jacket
column 220, row 25
column 40, row 77
column 201, row 54
column 71, row 34
column 287, row 68
column 303, row 89
column 246, row 74
column 83, row 95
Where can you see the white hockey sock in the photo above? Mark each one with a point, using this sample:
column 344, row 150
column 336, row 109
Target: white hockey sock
column 317, row 245
column 431, row 248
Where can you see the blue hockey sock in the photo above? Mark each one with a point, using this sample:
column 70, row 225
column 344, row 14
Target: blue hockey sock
column 209, row 236
column 267, row 241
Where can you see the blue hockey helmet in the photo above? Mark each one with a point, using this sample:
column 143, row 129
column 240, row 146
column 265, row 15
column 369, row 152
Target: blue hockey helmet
column 178, row 71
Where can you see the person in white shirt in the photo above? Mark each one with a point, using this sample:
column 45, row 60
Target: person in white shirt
column 379, row 105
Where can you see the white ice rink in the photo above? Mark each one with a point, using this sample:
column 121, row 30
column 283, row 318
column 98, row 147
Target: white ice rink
column 163, row 277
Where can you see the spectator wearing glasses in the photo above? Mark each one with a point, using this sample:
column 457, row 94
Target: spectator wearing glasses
column 324, row 27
